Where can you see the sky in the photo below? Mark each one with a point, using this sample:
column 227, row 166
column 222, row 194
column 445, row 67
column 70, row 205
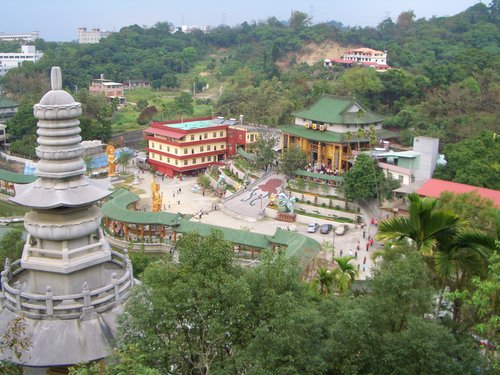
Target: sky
column 59, row 20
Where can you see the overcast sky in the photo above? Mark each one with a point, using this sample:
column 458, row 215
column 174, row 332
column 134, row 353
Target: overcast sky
column 59, row 20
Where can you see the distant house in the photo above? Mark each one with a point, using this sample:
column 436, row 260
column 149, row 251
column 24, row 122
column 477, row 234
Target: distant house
column 108, row 88
column 362, row 57
column 8, row 108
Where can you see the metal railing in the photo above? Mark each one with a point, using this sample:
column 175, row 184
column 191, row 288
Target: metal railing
column 68, row 306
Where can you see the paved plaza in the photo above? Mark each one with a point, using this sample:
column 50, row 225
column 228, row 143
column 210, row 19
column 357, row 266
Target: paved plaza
column 178, row 197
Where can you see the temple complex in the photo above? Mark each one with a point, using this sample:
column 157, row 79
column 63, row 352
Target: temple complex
column 333, row 131
column 68, row 286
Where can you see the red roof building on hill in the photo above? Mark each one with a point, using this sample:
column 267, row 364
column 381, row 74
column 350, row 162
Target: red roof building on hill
column 434, row 187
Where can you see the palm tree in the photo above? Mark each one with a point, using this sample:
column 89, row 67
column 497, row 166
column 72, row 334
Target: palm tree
column 325, row 280
column 348, row 137
column 457, row 261
column 344, row 274
column 361, row 134
column 372, row 135
column 424, row 226
column 453, row 252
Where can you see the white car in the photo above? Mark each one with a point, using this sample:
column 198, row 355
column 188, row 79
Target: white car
column 341, row 229
column 312, row 228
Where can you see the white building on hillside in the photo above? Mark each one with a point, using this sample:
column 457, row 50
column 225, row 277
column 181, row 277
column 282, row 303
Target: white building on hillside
column 363, row 55
column 27, row 37
column 91, row 36
column 11, row 60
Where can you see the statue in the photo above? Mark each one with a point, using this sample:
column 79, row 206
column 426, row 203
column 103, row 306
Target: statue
column 222, row 181
column 157, row 198
column 286, row 201
column 110, row 151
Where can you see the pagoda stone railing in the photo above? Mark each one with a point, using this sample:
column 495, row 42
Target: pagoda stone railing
column 71, row 306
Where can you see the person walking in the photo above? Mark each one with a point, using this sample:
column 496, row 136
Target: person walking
column 350, row 252
column 364, row 260
column 367, row 246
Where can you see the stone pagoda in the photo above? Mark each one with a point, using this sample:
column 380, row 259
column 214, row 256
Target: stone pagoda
column 69, row 286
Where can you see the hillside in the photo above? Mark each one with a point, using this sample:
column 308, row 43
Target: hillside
column 311, row 52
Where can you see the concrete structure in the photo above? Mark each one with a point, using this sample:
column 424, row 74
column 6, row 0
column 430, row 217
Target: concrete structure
column 410, row 166
column 11, row 60
column 91, row 36
column 333, row 131
column 177, row 148
column 28, row 37
column 68, row 286
column 108, row 88
column 8, row 108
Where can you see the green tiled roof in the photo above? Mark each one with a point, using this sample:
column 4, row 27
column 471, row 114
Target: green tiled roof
column 333, row 110
column 332, row 137
column 321, row 176
column 304, row 248
column 16, row 178
column 298, row 245
column 6, row 102
column 116, row 209
column 238, row 236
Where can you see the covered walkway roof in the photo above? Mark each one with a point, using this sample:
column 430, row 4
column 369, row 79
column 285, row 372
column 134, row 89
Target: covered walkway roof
column 298, row 245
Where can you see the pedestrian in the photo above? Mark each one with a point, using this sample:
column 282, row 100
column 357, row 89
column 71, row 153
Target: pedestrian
column 356, row 254
column 341, row 253
column 364, row 268
column 372, row 221
column 371, row 242
column 178, row 202
column 350, row 252
column 173, row 194
column 357, row 246
column 364, row 234
column 364, row 260
column 358, row 267
column 376, row 223
column 367, row 246
column 180, row 191
column 203, row 192
column 168, row 204
column 369, row 237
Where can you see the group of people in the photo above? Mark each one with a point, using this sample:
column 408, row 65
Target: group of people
column 324, row 169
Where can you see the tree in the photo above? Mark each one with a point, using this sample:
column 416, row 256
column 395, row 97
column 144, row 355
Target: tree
column 11, row 245
column 294, row 159
column 363, row 180
column 324, row 280
column 265, row 156
column 194, row 308
column 476, row 211
column 473, row 161
column 424, row 226
column 123, row 160
column 344, row 274
column 361, row 82
column 183, row 104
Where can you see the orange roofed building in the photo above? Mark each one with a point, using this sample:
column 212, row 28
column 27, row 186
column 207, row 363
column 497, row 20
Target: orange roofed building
column 434, row 187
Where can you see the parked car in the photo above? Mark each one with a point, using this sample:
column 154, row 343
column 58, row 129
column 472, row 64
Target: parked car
column 312, row 228
column 326, row 228
column 341, row 229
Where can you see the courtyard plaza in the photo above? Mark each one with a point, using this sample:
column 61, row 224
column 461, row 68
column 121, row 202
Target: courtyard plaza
column 178, row 197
